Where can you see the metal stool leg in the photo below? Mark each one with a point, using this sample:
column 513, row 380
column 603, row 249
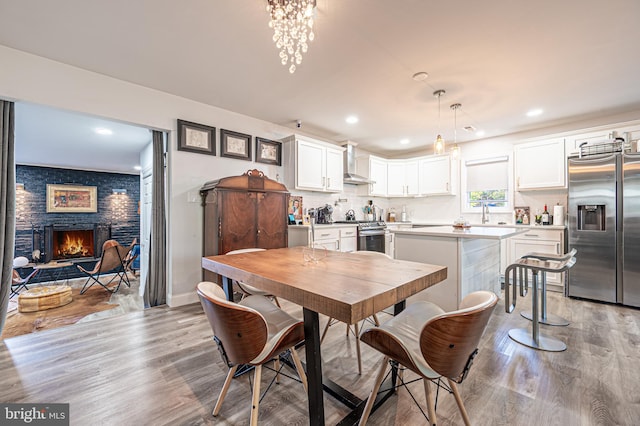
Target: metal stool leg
column 545, row 318
column 536, row 340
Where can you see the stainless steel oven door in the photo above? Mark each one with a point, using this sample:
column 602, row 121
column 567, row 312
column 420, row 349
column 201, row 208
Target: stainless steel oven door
column 372, row 240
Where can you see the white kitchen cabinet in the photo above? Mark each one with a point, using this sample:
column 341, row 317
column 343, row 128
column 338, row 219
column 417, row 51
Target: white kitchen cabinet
column 348, row 239
column 573, row 143
column 312, row 165
column 375, row 168
column 436, row 175
column 402, row 178
column 540, row 165
column 331, row 237
column 389, row 244
column 538, row 240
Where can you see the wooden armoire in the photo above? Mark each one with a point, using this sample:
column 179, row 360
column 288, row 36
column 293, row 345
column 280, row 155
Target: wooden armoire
column 243, row 212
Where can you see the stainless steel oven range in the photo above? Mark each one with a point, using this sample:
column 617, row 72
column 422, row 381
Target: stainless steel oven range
column 370, row 235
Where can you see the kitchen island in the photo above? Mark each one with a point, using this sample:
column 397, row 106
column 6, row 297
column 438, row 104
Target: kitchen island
column 471, row 255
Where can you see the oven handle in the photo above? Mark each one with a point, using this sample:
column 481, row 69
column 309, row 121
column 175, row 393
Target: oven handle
column 371, row 232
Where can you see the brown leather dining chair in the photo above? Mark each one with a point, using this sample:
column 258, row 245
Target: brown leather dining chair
column 246, row 289
column 433, row 344
column 251, row 332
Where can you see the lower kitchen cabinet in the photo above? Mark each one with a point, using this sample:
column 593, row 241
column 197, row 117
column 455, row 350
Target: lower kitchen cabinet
column 348, row 239
column 538, row 240
column 330, row 237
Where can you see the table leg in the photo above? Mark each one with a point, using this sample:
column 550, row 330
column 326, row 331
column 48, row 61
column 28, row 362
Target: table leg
column 314, row 366
column 227, row 286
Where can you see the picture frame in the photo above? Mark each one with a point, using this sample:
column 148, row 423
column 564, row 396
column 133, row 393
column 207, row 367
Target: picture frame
column 295, row 207
column 235, row 145
column 522, row 215
column 195, row 137
column 268, row 151
column 72, row 199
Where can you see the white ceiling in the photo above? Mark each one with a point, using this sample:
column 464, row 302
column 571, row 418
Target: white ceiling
column 575, row 59
column 48, row 136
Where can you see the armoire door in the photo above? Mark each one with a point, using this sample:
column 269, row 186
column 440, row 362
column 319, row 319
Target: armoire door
column 272, row 220
column 238, row 220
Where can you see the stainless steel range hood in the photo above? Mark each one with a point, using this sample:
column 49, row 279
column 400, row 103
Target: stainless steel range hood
column 350, row 175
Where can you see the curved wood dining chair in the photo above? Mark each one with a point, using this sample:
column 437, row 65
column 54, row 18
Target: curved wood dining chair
column 355, row 331
column 433, row 344
column 251, row 332
column 246, row 289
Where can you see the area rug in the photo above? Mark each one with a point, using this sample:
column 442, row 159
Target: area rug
column 94, row 300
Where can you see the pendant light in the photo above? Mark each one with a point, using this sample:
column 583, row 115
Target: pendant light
column 439, row 144
column 455, row 151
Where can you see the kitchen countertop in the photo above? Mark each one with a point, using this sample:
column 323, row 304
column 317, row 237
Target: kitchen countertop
column 494, row 225
column 332, row 225
column 484, row 232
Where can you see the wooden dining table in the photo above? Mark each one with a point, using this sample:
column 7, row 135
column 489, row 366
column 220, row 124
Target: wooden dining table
column 343, row 286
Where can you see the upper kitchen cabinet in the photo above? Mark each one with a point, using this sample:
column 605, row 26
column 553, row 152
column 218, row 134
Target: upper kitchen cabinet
column 313, row 165
column 375, row 168
column 540, row 165
column 573, row 143
column 402, row 178
column 436, row 175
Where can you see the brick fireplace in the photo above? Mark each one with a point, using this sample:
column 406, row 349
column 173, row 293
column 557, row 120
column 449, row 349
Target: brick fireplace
column 74, row 237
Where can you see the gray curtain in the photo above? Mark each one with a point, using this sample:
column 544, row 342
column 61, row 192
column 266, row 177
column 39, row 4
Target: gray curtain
column 155, row 287
column 7, row 204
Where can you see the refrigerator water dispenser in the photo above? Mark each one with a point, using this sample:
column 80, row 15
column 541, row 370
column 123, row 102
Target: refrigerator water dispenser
column 591, row 217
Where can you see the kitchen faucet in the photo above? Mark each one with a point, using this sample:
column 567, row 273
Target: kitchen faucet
column 485, row 212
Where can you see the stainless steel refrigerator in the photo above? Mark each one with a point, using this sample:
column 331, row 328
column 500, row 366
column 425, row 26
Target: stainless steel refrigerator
column 604, row 226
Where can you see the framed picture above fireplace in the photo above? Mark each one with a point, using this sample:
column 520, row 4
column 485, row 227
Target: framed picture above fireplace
column 72, row 199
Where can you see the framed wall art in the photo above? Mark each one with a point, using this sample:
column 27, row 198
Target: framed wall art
column 269, row 152
column 72, row 199
column 235, row 145
column 194, row 137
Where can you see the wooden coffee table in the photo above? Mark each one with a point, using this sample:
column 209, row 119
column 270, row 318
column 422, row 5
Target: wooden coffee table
column 54, row 269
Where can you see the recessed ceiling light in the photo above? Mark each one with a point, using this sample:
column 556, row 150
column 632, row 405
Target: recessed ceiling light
column 534, row 112
column 137, row 168
column 404, row 141
column 103, row 131
column 420, row 76
column 469, row 129
column 352, row 119
column 480, row 133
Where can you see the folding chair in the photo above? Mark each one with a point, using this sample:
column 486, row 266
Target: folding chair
column 113, row 260
column 17, row 282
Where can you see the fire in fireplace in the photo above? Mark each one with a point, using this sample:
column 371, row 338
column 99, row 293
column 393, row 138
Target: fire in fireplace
column 73, row 244
column 74, row 241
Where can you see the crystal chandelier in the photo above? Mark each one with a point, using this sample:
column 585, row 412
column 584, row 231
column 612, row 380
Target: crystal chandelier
column 292, row 23
column 439, row 144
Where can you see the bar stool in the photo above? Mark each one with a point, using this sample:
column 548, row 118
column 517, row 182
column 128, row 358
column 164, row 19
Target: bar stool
column 518, row 274
column 545, row 318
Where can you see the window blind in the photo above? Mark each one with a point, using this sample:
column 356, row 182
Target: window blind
column 486, row 174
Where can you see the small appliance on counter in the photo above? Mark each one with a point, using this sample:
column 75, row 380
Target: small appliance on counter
column 323, row 215
column 350, row 216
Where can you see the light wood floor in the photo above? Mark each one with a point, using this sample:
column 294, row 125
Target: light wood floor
column 160, row 367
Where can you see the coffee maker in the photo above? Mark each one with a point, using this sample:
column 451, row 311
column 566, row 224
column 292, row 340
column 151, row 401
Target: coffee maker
column 324, row 215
